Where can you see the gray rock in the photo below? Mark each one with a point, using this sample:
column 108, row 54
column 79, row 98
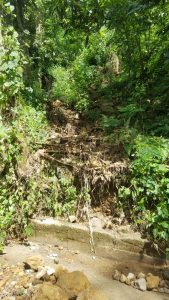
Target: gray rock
column 166, row 290
column 163, row 283
column 166, row 273
column 161, row 290
column 140, row 284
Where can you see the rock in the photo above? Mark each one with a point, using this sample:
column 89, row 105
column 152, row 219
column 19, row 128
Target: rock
column 72, row 219
column 123, row 278
column 166, row 290
column 131, row 276
column 92, row 294
column 116, row 275
column 59, row 270
column 50, row 271
column 56, row 260
column 73, row 283
column 49, row 291
column 166, row 273
column 128, row 282
column 41, row 273
column 141, row 275
column 108, row 225
column 60, row 248
column 152, row 281
column 164, row 283
column 140, row 284
column 33, row 262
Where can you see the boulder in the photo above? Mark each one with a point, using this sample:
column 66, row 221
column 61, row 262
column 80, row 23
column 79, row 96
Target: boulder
column 34, row 262
column 73, row 283
column 48, row 291
column 153, row 282
column 92, row 294
column 60, row 270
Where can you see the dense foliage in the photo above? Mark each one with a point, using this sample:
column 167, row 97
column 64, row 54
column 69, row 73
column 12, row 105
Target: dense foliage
column 107, row 59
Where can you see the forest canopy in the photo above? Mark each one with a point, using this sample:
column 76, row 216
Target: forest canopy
column 109, row 61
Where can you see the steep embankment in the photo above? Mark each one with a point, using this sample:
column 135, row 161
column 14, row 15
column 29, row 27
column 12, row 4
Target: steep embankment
column 79, row 148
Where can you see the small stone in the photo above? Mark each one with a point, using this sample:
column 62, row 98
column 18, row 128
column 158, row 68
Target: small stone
column 53, row 279
column 123, row 278
column 166, row 273
column 56, row 260
column 141, row 275
column 152, row 281
column 109, row 225
column 50, row 271
column 41, row 273
column 128, row 282
column 60, row 248
column 77, row 252
column 116, row 275
column 33, row 262
column 13, row 283
column 52, row 255
column 140, row 284
column 72, row 219
column 131, row 276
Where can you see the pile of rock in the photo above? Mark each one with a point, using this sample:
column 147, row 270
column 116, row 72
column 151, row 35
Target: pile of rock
column 145, row 282
column 32, row 280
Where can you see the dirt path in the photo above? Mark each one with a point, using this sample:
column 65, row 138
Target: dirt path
column 98, row 269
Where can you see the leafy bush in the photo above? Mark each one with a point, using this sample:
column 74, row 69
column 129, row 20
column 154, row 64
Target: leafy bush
column 11, row 67
column 67, row 200
column 88, row 75
column 147, row 193
column 30, row 124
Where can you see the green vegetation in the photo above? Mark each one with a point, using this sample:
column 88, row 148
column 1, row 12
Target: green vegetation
column 108, row 60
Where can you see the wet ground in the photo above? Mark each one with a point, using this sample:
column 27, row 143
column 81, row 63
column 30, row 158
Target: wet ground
column 98, row 268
